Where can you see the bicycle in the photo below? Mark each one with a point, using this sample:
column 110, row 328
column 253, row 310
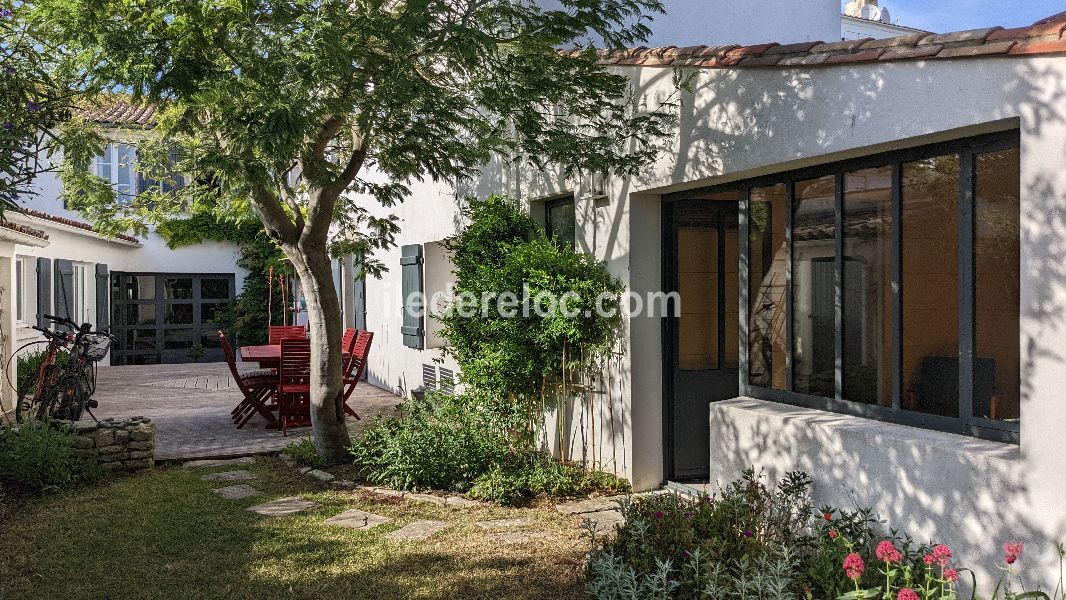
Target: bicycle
column 63, row 386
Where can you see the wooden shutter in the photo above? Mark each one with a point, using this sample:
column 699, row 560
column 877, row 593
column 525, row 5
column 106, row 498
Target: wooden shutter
column 44, row 290
column 103, row 296
column 64, row 288
column 413, row 329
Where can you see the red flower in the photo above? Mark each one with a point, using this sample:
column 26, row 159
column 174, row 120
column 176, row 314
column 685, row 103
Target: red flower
column 887, row 552
column 929, row 559
column 853, row 566
column 951, row 575
column 828, row 516
column 833, row 534
column 906, row 594
column 942, row 554
column 1012, row 550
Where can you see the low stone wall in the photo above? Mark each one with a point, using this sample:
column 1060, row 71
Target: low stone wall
column 117, row 444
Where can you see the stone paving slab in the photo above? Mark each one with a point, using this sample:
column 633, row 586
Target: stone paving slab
column 461, row 502
column 605, row 521
column 590, row 505
column 194, row 422
column 283, row 507
column 428, row 498
column 509, row 538
column 504, row 523
column 357, row 519
column 226, row 462
column 237, row 492
column 417, row 531
column 239, row 475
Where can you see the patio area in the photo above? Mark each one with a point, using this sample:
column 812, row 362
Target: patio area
column 191, row 403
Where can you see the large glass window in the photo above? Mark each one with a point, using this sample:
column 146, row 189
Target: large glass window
column 768, row 259
column 879, row 318
column 997, row 366
column 697, row 269
column 867, row 286
column 930, row 252
column 813, row 287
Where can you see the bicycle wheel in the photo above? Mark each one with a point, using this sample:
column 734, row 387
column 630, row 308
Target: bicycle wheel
column 25, row 397
column 69, row 403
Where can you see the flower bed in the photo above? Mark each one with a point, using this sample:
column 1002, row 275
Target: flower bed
column 756, row 541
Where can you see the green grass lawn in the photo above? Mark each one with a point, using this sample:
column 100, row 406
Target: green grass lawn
column 166, row 535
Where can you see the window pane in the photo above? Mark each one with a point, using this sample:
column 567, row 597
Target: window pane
column 179, row 314
column 930, row 291
column 141, row 287
column 731, row 360
column 560, row 221
column 813, row 298
column 141, row 314
column 178, row 339
column 140, row 339
column 214, row 289
column 209, row 339
column 697, row 266
column 996, row 211
column 768, row 254
column 177, row 288
column 867, row 286
column 20, row 291
column 211, row 313
column 124, row 170
column 103, row 163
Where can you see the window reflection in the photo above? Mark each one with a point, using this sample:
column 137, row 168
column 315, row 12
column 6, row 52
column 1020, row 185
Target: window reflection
column 813, row 285
column 768, row 255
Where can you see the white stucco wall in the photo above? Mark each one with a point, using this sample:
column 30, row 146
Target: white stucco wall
column 743, row 123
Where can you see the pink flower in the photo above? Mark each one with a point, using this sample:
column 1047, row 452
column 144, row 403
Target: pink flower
column 906, row 594
column 833, row 534
column 853, row 566
column 827, row 516
column 942, row 554
column 929, row 559
column 887, row 552
column 1012, row 550
column 951, row 575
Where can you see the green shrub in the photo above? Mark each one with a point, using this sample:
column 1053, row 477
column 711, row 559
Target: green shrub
column 29, row 363
column 749, row 540
column 441, row 442
column 520, row 479
column 38, row 457
column 304, row 454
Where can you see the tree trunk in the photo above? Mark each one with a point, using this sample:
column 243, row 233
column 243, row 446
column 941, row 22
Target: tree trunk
column 312, row 265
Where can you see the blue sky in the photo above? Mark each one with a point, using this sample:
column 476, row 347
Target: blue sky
column 956, row 15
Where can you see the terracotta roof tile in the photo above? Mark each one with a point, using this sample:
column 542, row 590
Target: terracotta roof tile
column 26, row 229
column 36, row 214
column 1043, row 37
column 119, row 112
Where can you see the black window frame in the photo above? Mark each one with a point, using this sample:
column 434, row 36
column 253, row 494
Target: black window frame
column 967, row 149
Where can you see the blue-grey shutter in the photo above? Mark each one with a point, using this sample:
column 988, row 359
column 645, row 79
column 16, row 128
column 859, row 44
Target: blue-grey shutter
column 177, row 180
column 411, row 275
column 360, row 302
column 44, row 290
column 64, row 280
column 103, row 304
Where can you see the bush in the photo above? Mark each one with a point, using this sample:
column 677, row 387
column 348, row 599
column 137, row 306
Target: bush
column 749, row 540
column 441, row 442
column 29, row 363
column 38, row 457
column 304, row 454
column 522, row 478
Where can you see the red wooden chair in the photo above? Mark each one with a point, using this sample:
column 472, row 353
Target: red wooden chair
column 294, row 383
column 276, row 333
column 356, row 365
column 348, row 341
column 256, row 386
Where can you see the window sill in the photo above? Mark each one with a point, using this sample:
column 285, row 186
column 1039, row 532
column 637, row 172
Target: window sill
column 830, row 428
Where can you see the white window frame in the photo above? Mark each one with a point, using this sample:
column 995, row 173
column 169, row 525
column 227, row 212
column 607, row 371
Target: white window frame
column 117, row 166
column 81, row 295
column 21, row 288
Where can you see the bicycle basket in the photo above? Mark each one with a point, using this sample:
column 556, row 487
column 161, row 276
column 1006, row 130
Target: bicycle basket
column 95, row 346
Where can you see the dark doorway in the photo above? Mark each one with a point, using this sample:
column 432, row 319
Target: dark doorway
column 701, row 335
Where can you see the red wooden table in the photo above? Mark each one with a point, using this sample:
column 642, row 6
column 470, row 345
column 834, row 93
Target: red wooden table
column 267, row 356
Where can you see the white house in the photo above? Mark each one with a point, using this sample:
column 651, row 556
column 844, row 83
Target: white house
column 884, row 222
column 158, row 302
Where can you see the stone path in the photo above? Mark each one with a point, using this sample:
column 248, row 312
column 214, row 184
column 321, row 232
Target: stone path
column 417, row 531
column 227, row 462
column 239, row 475
column 237, row 492
column 283, row 507
column 357, row 519
column 603, row 512
column 503, row 523
column 191, row 406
